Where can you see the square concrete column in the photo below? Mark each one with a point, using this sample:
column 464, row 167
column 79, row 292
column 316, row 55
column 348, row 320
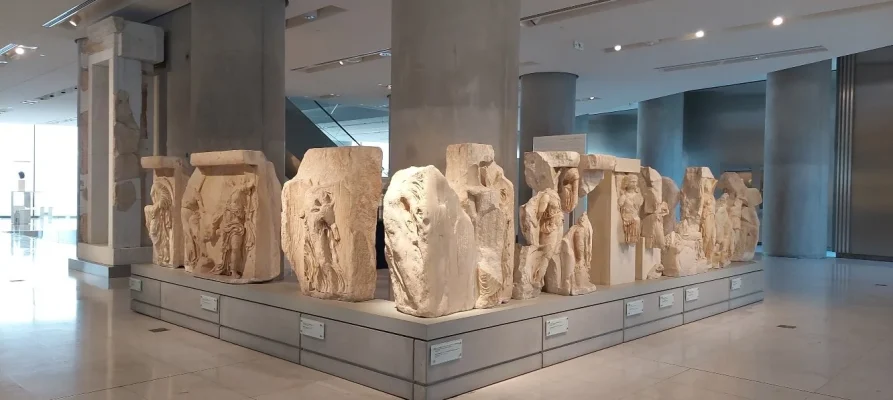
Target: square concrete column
column 113, row 135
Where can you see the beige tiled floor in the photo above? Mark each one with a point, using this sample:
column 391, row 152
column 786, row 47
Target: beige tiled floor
column 61, row 337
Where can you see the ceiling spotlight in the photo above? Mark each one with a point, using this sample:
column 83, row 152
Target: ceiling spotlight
column 699, row 34
column 341, row 62
column 20, row 50
column 618, row 47
column 591, row 97
column 778, row 21
column 43, row 55
column 384, row 53
column 73, row 22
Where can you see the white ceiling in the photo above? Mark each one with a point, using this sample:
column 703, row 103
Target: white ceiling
column 616, row 78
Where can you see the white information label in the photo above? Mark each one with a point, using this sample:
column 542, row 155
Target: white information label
column 313, row 328
column 736, row 283
column 556, row 326
column 667, row 300
column 692, row 294
column 446, row 351
column 136, row 284
column 208, row 303
column 635, row 307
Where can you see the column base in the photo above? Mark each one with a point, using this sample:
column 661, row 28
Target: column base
column 102, row 254
column 100, row 270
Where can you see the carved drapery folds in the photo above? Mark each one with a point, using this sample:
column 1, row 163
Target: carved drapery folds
column 163, row 216
column 231, row 212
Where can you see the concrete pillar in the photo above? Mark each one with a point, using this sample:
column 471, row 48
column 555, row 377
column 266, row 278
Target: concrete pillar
column 237, row 93
column 659, row 130
column 454, row 71
column 548, row 106
column 798, row 156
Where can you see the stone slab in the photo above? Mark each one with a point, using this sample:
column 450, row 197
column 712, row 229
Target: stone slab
column 652, row 327
column 750, row 283
column 261, row 320
column 365, row 377
column 709, row 293
column 230, row 157
column 585, row 323
column 187, row 301
column 652, row 310
column 102, row 254
column 704, row 312
column 745, row 300
column 195, row 324
column 150, row 293
column 479, row 379
column 628, row 165
column 257, row 343
column 145, row 309
column 100, row 270
column 581, row 348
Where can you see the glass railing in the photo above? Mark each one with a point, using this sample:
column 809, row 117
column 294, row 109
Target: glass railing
column 349, row 125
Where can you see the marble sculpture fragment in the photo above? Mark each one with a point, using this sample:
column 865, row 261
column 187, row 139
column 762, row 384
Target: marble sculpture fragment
column 541, row 222
column 749, row 235
column 429, row 245
column 329, row 213
column 488, row 198
column 163, row 216
column 568, row 273
column 557, row 170
column 231, row 212
column 630, row 200
column 653, row 211
column 728, row 217
column 689, row 248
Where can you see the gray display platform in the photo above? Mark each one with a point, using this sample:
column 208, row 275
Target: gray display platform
column 100, row 270
column 373, row 344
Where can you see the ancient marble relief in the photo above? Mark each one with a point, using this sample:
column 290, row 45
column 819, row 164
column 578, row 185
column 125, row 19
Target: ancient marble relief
column 542, row 222
column 231, row 213
column 728, row 217
column 429, row 244
column 654, row 211
column 163, row 220
column 488, row 198
column 630, row 201
column 557, row 170
column 670, row 193
column 329, row 212
column 689, row 247
column 569, row 272
column 749, row 234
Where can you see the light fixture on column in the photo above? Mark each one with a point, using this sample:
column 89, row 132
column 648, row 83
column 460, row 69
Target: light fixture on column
column 68, row 15
column 699, row 34
column 778, row 20
column 618, row 47
column 74, row 21
column 20, row 50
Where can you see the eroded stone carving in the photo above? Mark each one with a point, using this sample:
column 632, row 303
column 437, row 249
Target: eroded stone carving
column 487, row 197
column 568, row 188
column 163, row 218
column 231, row 211
column 329, row 212
column 630, row 201
column 568, row 273
column 728, row 217
column 687, row 251
column 429, row 245
column 557, row 170
column 670, row 192
column 749, row 234
column 541, row 225
column 653, row 211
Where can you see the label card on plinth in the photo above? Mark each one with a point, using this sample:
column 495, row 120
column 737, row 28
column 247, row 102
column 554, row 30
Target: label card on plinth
column 556, row 326
column 736, row 283
column 136, row 285
column 446, row 351
column 208, row 303
column 667, row 300
column 313, row 328
column 692, row 294
column 635, row 307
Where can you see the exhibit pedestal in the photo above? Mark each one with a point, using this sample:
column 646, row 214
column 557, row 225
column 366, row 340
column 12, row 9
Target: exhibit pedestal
column 107, row 262
column 373, row 344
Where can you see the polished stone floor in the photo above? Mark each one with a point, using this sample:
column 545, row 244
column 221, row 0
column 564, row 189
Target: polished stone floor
column 60, row 336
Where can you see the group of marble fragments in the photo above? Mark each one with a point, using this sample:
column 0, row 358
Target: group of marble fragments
column 449, row 239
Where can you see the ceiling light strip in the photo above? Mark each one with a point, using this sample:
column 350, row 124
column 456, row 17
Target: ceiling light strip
column 7, row 48
column 67, row 14
column 740, row 59
column 372, row 55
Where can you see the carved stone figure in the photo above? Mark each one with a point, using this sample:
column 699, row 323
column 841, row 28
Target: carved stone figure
column 569, row 272
column 329, row 213
column 592, row 170
column 653, row 211
column 488, row 197
column 630, row 201
column 670, row 194
column 163, row 219
column 542, row 168
column 722, row 250
column 429, row 245
column 541, row 224
column 749, row 235
column 690, row 247
column 568, row 188
column 231, row 209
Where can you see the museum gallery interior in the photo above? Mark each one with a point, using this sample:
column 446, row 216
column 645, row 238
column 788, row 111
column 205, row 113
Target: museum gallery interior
column 429, row 199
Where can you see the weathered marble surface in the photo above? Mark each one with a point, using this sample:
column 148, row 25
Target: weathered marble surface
column 690, row 247
column 557, row 170
column 541, row 225
column 568, row 273
column 329, row 213
column 728, row 217
column 670, row 193
column 429, row 245
column 165, row 226
column 630, row 200
column 231, row 212
column 488, row 198
column 653, row 212
column 749, row 235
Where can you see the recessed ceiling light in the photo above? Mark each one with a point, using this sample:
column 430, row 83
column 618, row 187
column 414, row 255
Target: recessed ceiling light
column 618, row 47
column 43, row 55
column 778, row 21
column 699, row 34
column 73, row 22
column 20, row 50
column 341, row 62
column 591, row 97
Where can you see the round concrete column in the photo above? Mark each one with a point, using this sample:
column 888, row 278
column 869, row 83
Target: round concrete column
column 548, row 105
column 659, row 143
column 798, row 154
column 237, row 87
column 454, row 71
